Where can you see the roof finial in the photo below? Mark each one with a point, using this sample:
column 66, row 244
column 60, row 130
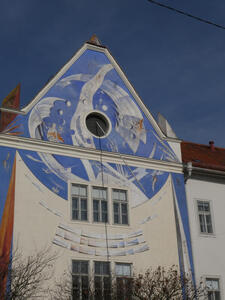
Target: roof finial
column 94, row 40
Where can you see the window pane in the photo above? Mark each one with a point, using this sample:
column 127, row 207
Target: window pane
column 123, row 269
column 83, row 215
column 116, row 208
column 75, row 266
column 127, row 270
column 104, row 206
column 104, row 194
column 200, row 206
column 85, row 287
column 84, row 267
column 202, row 223
column 124, row 219
column 75, row 189
column 75, row 215
column 96, row 205
column 217, row 295
column 210, row 296
column 212, row 284
column 116, row 219
column 96, row 216
column 124, row 208
column 206, row 206
column 84, row 203
column 98, row 288
column 75, row 294
column 83, row 191
column 123, row 195
column 115, row 195
column 95, row 193
column 107, row 288
column 105, row 269
column 76, row 282
column 75, row 203
column 107, row 282
column 97, row 267
column 104, row 217
column 209, row 224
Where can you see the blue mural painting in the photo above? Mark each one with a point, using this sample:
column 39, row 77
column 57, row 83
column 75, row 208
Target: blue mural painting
column 92, row 84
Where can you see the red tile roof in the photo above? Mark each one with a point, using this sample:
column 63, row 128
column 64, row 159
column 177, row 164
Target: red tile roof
column 203, row 156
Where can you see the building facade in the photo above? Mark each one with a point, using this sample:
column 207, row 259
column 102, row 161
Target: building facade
column 205, row 178
column 86, row 169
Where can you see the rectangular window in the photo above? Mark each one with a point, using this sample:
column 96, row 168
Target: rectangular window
column 123, row 281
column 205, row 219
column 120, row 207
column 213, row 287
column 80, row 280
column 79, row 202
column 102, row 280
column 100, row 204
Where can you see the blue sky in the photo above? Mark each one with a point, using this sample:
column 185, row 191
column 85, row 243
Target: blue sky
column 176, row 64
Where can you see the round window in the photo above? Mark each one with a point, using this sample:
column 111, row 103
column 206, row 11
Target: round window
column 97, row 124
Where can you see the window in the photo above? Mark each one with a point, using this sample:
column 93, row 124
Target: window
column 102, row 280
column 123, row 281
column 120, row 207
column 100, row 205
column 79, row 202
column 213, row 287
column 80, row 281
column 205, row 219
column 107, row 205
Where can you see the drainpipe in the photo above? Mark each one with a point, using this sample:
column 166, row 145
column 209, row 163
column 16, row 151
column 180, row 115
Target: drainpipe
column 189, row 171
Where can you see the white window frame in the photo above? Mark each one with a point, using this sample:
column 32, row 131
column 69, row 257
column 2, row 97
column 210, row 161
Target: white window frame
column 79, row 202
column 90, row 218
column 102, row 277
column 215, row 278
column 100, row 200
column 124, row 280
column 206, row 234
column 120, row 202
column 80, row 275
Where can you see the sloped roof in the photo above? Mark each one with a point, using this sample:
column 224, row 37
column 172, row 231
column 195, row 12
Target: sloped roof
column 203, row 156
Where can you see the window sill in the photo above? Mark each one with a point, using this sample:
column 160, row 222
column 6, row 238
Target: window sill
column 207, row 235
column 99, row 224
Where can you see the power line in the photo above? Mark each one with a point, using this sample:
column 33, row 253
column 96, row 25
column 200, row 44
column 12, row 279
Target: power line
column 186, row 14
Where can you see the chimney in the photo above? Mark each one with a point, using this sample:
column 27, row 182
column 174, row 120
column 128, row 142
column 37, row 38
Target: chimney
column 211, row 144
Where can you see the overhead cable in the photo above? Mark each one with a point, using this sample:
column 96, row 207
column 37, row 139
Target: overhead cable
column 186, row 14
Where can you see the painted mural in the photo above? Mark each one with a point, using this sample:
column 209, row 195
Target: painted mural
column 7, row 201
column 91, row 84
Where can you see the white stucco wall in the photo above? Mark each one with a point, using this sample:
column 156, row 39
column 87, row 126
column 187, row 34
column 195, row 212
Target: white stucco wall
column 35, row 226
column 208, row 249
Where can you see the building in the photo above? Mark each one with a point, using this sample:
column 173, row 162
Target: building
column 204, row 167
column 86, row 168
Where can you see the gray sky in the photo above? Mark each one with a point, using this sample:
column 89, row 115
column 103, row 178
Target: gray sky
column 176, row 64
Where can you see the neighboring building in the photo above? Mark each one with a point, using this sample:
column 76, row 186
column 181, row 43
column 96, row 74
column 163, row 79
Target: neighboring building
column 204, row 167
column 85, row 168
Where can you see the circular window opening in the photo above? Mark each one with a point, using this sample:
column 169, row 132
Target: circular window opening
column 97, row 124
